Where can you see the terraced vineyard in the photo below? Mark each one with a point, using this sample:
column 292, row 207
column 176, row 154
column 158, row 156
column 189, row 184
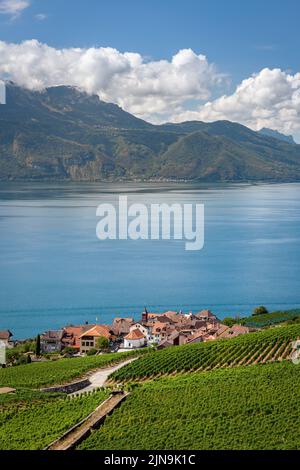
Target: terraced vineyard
column 260, row 347
column 33, row 425
column 240, row 408
column 269, row 319
column 41, row 374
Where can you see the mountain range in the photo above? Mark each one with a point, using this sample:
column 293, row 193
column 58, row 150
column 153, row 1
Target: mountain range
column 62, row 133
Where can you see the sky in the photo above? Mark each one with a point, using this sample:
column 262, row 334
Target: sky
column 169, row 60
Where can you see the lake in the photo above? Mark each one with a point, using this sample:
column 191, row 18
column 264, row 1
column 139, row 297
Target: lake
column 54, row 271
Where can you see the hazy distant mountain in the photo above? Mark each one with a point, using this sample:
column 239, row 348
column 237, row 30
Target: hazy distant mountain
column 65, row 134
column 277, row 135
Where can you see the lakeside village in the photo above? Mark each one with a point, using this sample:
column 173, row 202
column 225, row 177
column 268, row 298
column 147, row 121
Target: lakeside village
column 159, row 330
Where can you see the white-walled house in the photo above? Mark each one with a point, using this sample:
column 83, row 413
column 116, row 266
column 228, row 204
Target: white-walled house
column 134, row 340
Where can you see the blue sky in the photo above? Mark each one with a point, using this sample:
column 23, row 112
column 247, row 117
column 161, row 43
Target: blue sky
column 241, row 37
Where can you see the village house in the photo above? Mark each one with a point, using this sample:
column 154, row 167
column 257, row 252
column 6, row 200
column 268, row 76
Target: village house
column 161, row 331
column 206, row 315
column 135, row 339
column 121, row 326
column 196, row 337
column 71, row 336
column 235, row 330
column 5, row 337
column 88, row 339
column 51, row 341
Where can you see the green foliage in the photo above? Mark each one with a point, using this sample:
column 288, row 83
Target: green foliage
column 41, row 374
column 102, row 343
column 270, row 319
column 23, row 398
column 78, row 137
column 243, row 408
column 91, row 352
column 244, row 349
column 69, row 351
column 13, row 354
column 228, row 321
column 260, row 310
column 37, row 425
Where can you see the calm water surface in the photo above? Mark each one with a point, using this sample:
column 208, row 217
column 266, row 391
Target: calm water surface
column 54, row 271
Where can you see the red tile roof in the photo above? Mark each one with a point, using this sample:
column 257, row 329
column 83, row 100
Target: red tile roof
column 5, row 335
column 98, row 331
column 135, row 334
column 72, row 335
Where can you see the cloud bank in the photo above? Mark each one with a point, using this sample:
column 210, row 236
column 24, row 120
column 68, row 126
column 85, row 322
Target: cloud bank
column 13, row 8
column 149, row 89
column 158, row 90
column 270, row 98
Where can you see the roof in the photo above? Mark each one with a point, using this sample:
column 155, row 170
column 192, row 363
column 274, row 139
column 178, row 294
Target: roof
column 5, row 334
column 164, row 344
column 72, row 335
column 196, row 335
column 154, row 315
column 235, row 330
column 222, row 328
column 159, row 326
column 98, row 331
column 205, row 314
column 121, row 326
column 135, row 334
column 52, row 335
column 120, row 319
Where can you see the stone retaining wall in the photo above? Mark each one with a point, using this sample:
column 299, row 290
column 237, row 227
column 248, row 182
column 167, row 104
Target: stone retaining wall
column 87, row 429
column 68, row 388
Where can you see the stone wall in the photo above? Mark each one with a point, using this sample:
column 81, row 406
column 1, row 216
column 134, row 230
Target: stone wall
column 68, row 388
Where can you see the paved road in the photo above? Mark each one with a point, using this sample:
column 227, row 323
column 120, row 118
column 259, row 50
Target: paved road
column 99, row 378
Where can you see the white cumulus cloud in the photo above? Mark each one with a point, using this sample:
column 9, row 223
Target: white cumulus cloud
column 270, row 98
column 158, row 90
column 13, row 8
column 41, row 16
column 150, row 89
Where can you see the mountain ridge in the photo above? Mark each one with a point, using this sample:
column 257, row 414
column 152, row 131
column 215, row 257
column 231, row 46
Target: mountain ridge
column 62, row 133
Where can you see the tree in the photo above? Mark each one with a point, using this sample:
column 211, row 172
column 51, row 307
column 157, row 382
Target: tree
column 91, row 352
column 102, row 343
column 69, row 351
column 38, row 345
column 228, row 321
column 260, row 310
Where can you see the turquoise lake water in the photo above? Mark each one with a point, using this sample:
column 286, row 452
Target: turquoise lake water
column 54, row 271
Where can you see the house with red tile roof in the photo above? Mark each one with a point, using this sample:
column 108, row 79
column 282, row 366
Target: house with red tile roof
column 135, row 339
column 5, row 337
column 121, row 326
column 235, row 330
column 88, row 339
column 206, row 315
column 71, row 336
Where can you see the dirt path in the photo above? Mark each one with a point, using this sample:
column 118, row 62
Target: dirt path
column 82, row 430
column 99, row 378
